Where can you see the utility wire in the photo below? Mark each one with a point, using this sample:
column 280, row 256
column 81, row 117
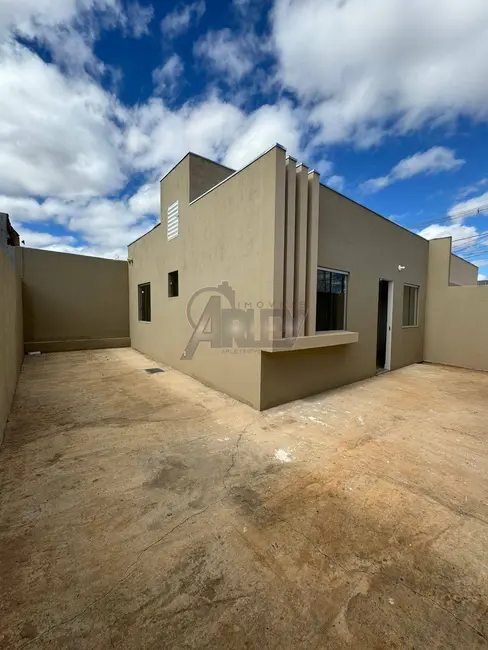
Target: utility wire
column 477, row 236
column 450, row 217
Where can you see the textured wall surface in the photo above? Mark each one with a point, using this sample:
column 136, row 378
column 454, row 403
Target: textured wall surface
column 227, row 235
column 368, row 247
column 456, row 316
column 11, row 338
column 73, row 302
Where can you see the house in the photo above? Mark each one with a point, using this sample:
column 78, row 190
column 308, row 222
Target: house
column 261, row 283
column 267, row 285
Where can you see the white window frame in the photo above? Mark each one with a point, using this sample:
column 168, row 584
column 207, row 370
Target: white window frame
column 173, row 220
column 416, row 314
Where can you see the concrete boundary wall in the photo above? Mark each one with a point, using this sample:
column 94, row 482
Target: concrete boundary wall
column 11, row 338
column 456, row 316
column 73, row 302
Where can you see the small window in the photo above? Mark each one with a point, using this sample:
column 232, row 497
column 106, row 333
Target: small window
column 145, row 302
column 173, row 284
column 410, row 306
column 173, row 220
column 331, row 300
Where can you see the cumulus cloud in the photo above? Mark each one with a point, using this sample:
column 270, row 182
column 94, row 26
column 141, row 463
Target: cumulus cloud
column 158, row 137
column 458, row 232
column 433, row 161
column 57, row 134
column 146, row 200
column 98, row 225
column 180, row 19
column 263, row 129
column 167, row 76
column 229, row 54
column 383, row 66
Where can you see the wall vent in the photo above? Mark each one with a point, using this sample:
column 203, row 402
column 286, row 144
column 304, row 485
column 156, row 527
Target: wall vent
column 173, row 220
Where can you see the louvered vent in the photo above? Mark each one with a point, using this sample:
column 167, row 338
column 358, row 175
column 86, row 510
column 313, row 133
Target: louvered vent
column 173, row 220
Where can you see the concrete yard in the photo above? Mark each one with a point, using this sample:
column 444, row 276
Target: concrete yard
column 148, row 511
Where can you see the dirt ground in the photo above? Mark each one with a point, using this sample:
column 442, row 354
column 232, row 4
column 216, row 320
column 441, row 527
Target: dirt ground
column 148, row 511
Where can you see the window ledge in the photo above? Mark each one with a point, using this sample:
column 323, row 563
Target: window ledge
column 323, row 340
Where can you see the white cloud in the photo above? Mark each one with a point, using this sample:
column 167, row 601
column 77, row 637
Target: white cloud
column 139, row 18
column 146, row 200
column 57, row 136
column 179, row 20
column 166, row 76
column 68, row 28
column 263, row 129
column 367, row 68
column 473, row 188
column 454, row 230
column 28, row 16
column 482, row 277
column 478, row 203
column 336, row 182
column 98, row 226
column 157, row 137
column 229, row 54
column 433, row 161
column 46, row 240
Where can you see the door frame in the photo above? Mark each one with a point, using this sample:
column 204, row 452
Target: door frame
column 389, row 322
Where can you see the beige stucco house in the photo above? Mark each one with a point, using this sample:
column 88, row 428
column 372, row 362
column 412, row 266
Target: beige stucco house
column 267, row 285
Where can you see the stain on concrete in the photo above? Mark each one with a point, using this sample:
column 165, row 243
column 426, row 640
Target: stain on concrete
column 163, row 520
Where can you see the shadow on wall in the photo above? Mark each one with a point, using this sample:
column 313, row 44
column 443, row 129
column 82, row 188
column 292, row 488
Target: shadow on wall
column 11, row 332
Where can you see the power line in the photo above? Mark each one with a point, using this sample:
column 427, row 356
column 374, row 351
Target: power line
column 477, row 236
column 450, row 217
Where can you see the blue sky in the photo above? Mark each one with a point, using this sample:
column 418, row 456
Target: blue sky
column 386, row 98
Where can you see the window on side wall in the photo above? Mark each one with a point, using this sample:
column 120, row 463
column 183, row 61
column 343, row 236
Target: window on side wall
column 410, row 305
column 173, row 284
column 331, row 300
column 144, row 291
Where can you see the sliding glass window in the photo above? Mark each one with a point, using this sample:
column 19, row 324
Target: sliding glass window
column 331, row 300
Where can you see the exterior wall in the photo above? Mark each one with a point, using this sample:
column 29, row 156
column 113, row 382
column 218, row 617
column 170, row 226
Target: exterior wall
column 370, row 247
column 11, row 338
column 73, row 302
column 205, row 174
column 227, row 235
column 456, row 316
column 462, row 273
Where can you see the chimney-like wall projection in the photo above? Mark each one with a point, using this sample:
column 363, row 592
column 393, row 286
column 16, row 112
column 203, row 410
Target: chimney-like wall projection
column 300, row 219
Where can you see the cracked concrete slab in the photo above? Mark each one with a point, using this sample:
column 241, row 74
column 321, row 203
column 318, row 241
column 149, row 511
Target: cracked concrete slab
column 148, row 511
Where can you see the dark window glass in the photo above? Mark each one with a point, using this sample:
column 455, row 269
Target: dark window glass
column 144, row 302
column 410, row 305
column 173, row 284
column 331, row 300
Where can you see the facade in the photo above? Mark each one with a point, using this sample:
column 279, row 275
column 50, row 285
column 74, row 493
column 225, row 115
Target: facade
column 335, row 291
